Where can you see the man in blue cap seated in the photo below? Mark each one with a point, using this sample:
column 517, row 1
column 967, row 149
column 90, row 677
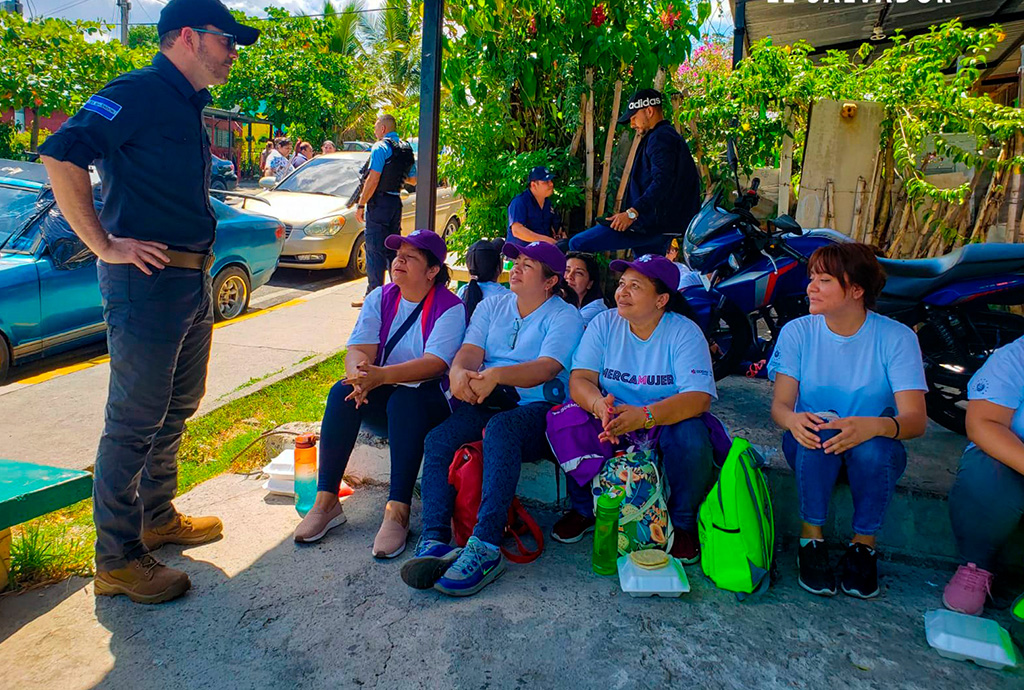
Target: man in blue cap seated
column 530, row 216
column 664, row 187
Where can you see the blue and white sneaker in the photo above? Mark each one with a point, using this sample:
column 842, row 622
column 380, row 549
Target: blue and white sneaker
column 431, row 560
column 476, row 567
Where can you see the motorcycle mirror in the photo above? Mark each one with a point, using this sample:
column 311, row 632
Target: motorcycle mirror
column 731, row 153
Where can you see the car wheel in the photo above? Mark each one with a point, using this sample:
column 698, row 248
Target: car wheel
column 230, row 293
column 357, row 259
column 450, row 228
column 218, row 184
column 5, row 359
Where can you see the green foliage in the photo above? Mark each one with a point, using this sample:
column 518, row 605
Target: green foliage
column 43, row 553
column 516, row 73
column 143, row 36
column 925, row 83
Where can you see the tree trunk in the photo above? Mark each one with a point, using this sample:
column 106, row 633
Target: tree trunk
column 33, row 144
column 786, row 166
column 606, row 167
column 626, row 170
column 589, row 192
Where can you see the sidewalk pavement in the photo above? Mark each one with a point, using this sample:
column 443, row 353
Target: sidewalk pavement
column 58, row 421
column 267, row 613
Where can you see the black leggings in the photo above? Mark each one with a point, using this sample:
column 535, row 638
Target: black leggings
column 402, row 413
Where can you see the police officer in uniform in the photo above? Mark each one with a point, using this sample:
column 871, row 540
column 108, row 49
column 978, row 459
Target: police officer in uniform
column 530, row 215
column 391, row 164
column 664, row 187
column 144, row 130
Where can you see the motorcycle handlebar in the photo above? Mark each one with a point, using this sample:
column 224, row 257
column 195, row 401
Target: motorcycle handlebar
column 755, row 183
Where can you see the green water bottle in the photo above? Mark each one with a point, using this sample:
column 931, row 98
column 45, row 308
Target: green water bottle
column 606, row 532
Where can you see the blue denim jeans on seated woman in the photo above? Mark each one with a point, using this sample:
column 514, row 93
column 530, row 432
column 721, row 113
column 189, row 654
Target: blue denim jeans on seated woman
column 873, row 468
column 986, row 506
column 688, row 466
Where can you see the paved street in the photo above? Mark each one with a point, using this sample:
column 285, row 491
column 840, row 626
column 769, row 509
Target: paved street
column 52, row 411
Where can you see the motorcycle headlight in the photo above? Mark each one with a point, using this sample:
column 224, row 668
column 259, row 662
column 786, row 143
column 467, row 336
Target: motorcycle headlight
column 734, row 263
column 325, row 227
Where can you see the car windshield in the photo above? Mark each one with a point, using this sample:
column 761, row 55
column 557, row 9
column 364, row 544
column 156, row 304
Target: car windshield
column 334, row 176
column 17, row 206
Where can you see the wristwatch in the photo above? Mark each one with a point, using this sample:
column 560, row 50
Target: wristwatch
column 631, row 214
column 648, row 418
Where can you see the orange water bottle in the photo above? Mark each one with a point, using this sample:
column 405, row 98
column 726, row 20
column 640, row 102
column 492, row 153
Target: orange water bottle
column 305, row 473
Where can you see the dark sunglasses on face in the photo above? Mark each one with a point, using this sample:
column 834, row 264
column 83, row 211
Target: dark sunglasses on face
column 231, row 41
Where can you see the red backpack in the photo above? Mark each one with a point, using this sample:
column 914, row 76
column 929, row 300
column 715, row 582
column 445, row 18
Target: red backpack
column 466, row 474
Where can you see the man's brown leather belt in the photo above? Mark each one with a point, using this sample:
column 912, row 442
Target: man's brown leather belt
column 194, row 260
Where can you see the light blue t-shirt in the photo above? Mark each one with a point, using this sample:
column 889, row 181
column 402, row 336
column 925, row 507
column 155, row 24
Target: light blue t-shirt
column 1001, row 381
column 687, row 276
column 674, row 359
column 589, row 311
column 552, row 330
column 855, row 375
column 379, row 154
column 444, row 341
column 489, row 289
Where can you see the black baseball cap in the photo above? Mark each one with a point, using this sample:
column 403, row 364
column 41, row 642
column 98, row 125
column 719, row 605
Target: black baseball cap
column 640, row 100
column 177, row 14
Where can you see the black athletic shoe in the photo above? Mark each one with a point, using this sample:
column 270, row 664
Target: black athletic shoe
column 816, row 574
column 571, row 527
column 860, row 572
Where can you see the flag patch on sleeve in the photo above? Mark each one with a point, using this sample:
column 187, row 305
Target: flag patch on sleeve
column 104, row 107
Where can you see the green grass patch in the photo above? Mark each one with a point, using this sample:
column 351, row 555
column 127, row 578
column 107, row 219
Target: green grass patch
column 60, row 544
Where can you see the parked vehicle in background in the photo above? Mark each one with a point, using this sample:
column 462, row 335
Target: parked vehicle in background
column 355, row 146
column 49, row 292
column 222, row 174
column 321, row 232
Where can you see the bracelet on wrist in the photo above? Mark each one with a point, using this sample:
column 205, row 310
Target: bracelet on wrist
column 897, row 423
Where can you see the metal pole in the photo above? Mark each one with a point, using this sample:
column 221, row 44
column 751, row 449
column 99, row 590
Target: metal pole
column 430, row 115
column 125, row 5
column 739, row 32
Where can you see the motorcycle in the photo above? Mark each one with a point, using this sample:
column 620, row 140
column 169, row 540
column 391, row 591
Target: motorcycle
column 756, row 281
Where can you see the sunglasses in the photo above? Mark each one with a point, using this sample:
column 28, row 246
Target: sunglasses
column 516, row 325
column 232, row 41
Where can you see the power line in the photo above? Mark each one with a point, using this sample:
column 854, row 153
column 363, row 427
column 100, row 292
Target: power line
column 66, row 7
column 290, row 16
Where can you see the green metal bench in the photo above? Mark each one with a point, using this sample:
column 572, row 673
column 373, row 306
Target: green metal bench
column 28, row 491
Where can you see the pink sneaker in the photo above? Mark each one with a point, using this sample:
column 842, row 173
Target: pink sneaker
column 967, row 590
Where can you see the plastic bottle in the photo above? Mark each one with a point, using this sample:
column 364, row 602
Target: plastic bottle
column 606, row 532
column 305, row 473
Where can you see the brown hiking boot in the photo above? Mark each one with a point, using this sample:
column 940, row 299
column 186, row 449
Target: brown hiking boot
column 144, row 581
column 182, row 529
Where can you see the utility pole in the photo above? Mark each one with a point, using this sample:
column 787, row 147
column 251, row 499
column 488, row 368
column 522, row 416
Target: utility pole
column 125, row 5
column 430, row 111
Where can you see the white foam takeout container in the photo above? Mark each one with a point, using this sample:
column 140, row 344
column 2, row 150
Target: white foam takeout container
column 669, row 581
column 969, row 638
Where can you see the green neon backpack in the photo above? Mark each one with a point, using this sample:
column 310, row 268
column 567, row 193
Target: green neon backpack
column 736, row 526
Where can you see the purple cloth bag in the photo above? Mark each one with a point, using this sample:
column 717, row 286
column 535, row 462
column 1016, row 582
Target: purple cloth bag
column 572, row 433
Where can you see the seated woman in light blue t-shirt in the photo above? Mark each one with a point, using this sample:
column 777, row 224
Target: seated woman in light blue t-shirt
column 398, row 356
column 849, row 385
column 986, row 503
column 484, row 263
column 640, row 365
column 510, row 371
column 583, row 275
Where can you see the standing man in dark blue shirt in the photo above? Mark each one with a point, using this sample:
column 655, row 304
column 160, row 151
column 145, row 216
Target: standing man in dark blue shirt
column 153, row 239
column 664, row 187
column 530, row 216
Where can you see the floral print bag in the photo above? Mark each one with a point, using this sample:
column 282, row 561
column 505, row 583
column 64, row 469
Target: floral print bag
column 643, row 519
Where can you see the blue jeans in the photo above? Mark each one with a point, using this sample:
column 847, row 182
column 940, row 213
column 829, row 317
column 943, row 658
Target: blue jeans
column 986, row 505
column 601, row 238
column 873, row 468
column 402, row 414
column 159, row 330
column 688, row 465
column 383, row 218
column 510, row 437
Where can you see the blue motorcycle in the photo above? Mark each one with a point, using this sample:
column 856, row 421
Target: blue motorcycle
column 757, row 281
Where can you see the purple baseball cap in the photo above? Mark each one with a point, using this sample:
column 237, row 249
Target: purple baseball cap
column 652, row 266
column 421, row 239
column 544, row 252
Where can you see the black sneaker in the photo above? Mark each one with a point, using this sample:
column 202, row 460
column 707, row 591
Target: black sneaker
column 571, row 527
column 860, row 572
column 816, row 575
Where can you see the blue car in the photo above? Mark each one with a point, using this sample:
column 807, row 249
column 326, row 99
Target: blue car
column 49, row 293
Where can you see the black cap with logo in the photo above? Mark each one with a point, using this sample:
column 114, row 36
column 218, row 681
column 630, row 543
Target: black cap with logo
column 177, row 14
column 641, row 99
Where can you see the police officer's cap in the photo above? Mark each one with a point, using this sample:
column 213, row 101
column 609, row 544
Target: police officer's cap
column 541, row 174
column 177, row 14
column 643, row 98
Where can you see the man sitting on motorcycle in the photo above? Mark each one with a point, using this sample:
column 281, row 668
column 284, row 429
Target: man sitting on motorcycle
column 664, row 187
column 849, row 386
